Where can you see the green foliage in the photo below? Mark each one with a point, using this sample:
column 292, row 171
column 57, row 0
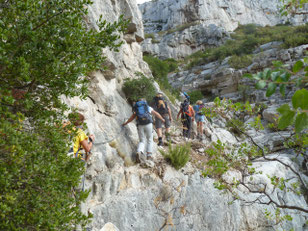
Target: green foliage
column 245, row 39
column 182, row 27
column 236, row 126
column 239, row 62
column 141, row 87
column 160, row 70
column 151, row 35
column 279, row 78
column 178, row 155
column 195, row 95
column 46, row 49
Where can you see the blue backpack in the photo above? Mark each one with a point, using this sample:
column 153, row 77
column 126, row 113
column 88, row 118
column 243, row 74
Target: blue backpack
column 141, row 109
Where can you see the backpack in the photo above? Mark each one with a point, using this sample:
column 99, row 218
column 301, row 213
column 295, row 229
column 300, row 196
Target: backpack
column 141, row 109
column 185, row 108
column 200, row 109
column 161, row 105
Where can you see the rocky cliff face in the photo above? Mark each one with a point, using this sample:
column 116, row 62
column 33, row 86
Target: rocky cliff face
column 135, row 198
column 186, row 26
column 219, row 79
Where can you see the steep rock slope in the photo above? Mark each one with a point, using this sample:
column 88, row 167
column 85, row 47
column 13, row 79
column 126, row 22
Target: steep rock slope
column 134, row 198
column 186, row 26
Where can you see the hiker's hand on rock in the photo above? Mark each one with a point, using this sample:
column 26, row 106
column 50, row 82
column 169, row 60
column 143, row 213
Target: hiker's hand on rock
column 92, row 137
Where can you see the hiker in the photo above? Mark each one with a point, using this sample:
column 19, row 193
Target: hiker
column 82, row 143
column 160, row 105
column 187, row 116
column 199, row 118
column 143, row 112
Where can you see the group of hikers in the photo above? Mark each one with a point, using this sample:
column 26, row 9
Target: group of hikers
column 144, row 113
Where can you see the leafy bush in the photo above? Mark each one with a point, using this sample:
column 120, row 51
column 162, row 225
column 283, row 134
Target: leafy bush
column 160, row 70
column 141, row 87
column 182, row 27
column 178, row 155
column 195, row 95
column 236, row 126
column 239, row 62
column 246, row 38
column 46, row 48
column 151, row 35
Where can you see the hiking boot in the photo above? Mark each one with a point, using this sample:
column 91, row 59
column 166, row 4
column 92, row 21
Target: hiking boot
column 168, row 137
column 140, row 158
column 160, row 143
column 150, row 157
column 148, row 164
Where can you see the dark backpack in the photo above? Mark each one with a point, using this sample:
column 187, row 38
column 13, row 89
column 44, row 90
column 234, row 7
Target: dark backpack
column 200, row 109
column 141, row 109
column 185, row 108
column 161, row 105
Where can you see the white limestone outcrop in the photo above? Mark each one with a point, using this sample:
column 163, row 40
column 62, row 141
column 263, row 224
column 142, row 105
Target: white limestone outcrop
column 186, row 26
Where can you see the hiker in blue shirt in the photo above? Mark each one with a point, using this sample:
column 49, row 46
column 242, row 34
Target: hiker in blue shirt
column 200, row 118
column 144, row 113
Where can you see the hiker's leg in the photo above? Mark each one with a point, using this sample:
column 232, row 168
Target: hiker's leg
column 142, row 138
column 185, row 128
column 159, row 130
column 189, row 123
column 148, row 130
column 167, row 126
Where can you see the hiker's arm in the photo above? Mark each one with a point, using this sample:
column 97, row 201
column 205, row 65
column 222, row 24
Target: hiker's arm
column 169, row 112
column 177, row 117
column 86, row 146
column 158, row 115
column 193, row 114
column 130, row 119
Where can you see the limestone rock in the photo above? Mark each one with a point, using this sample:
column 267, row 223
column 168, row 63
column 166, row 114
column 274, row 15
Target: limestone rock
column 109, row 227
column 186, row 26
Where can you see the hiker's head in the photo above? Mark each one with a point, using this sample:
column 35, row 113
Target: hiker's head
column 199, row 102
column 76, row 118
column 159, row 94
column 141, row 99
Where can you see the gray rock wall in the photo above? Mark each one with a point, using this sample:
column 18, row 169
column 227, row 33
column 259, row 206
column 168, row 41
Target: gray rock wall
column 206, row 21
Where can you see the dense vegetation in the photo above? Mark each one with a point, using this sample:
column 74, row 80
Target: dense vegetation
column 46, row 50
column 141, row 87
column 160, row 70
column 246, row 38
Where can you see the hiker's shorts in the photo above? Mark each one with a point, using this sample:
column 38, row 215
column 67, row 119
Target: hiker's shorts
column 159, row 123
column 200, row 118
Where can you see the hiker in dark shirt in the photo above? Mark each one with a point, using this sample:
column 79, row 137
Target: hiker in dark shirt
column 187, row 117
column 160, row 105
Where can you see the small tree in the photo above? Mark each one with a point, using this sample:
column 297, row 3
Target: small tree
column 141, row 87
column 46, row 50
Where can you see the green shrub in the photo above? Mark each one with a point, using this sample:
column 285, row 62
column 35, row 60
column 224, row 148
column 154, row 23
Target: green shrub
column 46, row 51
column 160, row 70
column 246, row 38
column 195, row 95
column 182, row 27
column 178, row 155
column 141, row 87
column 236, row 126
column 151, row 35
column 239, row 62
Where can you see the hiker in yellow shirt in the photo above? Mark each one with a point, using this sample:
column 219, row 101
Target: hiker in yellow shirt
column 82, row 143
